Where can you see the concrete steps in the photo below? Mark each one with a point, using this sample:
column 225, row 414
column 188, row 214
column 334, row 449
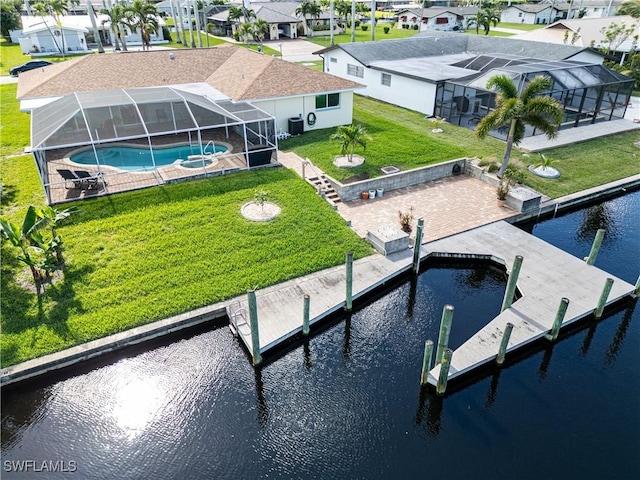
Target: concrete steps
column 325, row 189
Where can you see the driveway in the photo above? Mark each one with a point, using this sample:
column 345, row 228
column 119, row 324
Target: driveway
column 5, row 79
column 296, row 50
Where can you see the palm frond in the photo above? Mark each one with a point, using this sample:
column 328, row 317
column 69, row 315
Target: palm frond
column 504, row 85
column 535, row 87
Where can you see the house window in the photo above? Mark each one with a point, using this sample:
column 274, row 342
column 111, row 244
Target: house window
column 333, row 59
column 441, row 20
column 355, row 71
column 385, row 79
column 327, row 100
column 519, row 14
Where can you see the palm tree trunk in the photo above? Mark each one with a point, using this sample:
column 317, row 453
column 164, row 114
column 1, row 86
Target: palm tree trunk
column 353, row 21
column 507, row 151
column 94, row 26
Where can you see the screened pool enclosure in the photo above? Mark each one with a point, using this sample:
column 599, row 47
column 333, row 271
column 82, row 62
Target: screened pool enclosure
column 588, row 93
column 91, row 143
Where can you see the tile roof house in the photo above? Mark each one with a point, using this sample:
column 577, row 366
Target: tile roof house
column 281, row 88
column 198, row 99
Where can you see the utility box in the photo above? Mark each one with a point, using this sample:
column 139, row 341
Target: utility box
column 296, row 126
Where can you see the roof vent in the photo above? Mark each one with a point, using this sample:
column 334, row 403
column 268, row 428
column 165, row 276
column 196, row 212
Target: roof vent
column 172, row 56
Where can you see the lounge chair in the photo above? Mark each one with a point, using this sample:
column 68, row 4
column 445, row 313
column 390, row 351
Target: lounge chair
column 69, row 176
column 89, row 179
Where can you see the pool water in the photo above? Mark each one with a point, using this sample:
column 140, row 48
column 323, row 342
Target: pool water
column 137, row 158
column 347, row 403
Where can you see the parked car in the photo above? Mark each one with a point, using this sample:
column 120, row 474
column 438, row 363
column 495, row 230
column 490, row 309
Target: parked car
column 15, row 71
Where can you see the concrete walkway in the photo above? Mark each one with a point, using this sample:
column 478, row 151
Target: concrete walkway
column 575, row 135
column 296, row 50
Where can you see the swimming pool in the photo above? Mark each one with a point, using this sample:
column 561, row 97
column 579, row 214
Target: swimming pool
column 139, row 158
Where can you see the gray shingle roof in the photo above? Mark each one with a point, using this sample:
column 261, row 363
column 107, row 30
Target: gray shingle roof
column 431, row 43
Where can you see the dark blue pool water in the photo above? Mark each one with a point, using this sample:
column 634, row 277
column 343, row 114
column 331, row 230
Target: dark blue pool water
column 132, row 158
column 348, row 404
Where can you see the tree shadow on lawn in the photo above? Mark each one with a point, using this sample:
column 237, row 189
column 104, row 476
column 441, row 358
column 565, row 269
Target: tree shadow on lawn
column 54, row 304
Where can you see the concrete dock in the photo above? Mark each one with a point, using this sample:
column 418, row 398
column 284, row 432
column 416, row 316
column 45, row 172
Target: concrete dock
column 547, row 275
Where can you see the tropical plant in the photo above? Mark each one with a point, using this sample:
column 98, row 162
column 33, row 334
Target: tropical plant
column 308, row 10
column 616, row 34
column 54, row 8
column 9, row 16
column 351, row 136
column 517, row 109
column 51, row 217
column 405, row 220
column 505, row 184
column 241, row 13
column 245, row 32
column 142, row 16
column 630, row 7
column 261, row 196
column 545, row 162
column 36, row 253
column 260, row 29
column 117, row 15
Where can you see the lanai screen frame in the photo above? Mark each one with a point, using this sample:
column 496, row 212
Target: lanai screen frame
column 588, row 92
column 67, row 122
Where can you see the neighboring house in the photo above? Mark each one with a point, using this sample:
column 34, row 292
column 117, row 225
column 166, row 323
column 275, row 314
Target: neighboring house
column 594, row 8
column 224, row 87
column 78, row 23
column 530, row 14
column 584, row 32
column 444, row 74
column 47, row 37
column 438, row 19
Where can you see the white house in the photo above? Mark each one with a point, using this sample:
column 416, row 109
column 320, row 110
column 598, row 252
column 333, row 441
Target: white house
column 444, row 74
column 585, row 32
column 438, row 19
column 530, row 14
column 48, row 38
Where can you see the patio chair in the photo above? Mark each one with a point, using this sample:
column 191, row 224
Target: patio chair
column 89, row 179
column 69, row 176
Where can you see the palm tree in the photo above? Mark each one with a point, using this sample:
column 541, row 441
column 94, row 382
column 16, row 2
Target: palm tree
column 308, row 9
column 55, row 8
column 117, row 15
column 519, row 109
column 260, row 30
column 630, row 7
column 142, row 16
column 245, row 32
column 351, row 136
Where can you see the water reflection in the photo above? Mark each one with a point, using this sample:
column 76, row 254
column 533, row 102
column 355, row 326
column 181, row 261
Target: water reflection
column 352, row 406
column 619, row 336
column 595, row 218
column 429, row 411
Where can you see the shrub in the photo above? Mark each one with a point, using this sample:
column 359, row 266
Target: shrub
column 357, row 23
column 415, row 27
column 386, row 29
column 364, row 28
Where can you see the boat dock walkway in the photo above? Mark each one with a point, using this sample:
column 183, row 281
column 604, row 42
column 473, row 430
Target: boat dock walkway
column 281, row 307
column 547, row 275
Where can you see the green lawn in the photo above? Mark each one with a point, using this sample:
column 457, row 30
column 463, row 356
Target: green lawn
column 141, row 256
column 492, row 33
column 214, row 42
column 11, row 56
column 365, row 36
column 402, row 137
column 14, row 125
column 521, row 26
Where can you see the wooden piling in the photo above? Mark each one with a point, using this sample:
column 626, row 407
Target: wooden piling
column 417, row 245
column 305, row 315
column 502, row 351
column 441, row 387
column 445, row 329
column 591, row 259
column 511, row 283
column 253, row 320
column 349, row 274
column 603, row 297
column 426, row 361
column 557, row 322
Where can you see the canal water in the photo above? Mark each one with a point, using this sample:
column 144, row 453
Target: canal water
column 348, row 404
